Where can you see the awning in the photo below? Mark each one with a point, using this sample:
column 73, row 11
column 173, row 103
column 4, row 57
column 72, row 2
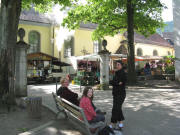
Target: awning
column 90, row 57
column 60, row 63
column 40, row 56
column 137, row 58
column 117, row 56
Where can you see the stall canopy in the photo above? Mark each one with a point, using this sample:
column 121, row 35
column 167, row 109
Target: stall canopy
column 117, row 56
column 74, row 59
column 60, row 63
column 90, row 57
column 40, row 56
column 46, row 57
column 137, row 58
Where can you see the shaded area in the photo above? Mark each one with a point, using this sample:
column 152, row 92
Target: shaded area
column 151, row 110
column 60, row 127
column 157, row 84
column 147, row 111
column 17, row 121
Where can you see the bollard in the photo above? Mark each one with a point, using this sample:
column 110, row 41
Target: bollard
column 34, row 105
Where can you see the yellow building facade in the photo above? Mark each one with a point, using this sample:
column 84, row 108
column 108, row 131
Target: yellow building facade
column 80, row 43
column 149, row 48
column 40, row 33
column 47, row 41
column 83, row 43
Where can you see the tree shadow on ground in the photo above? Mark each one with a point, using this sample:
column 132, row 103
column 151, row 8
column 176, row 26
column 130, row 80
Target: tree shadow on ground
column 18, row 121
column 146, row 112
column 158, row 84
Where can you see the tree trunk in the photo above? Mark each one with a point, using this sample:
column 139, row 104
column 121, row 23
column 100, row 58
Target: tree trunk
column 130, row 30
column 9, row 19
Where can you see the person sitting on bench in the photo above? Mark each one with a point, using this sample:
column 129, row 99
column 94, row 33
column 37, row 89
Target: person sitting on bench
column 86, row 105
column 66, row 93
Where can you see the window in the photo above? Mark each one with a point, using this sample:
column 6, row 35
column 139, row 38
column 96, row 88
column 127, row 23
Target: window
column 139, row 52
column 96, row 45
column 67, row 52
column 69, row 47
column 34, row 42
column 168, row 53
column 155, row 53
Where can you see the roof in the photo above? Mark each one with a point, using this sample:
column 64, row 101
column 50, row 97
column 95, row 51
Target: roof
column 168, row 35
column 40, row 56
column 60, row 63
column 46, row 57
column 88, row 25
column 33, row 16
column 154, row 39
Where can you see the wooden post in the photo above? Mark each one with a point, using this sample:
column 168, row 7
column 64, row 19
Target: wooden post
column 56, row 85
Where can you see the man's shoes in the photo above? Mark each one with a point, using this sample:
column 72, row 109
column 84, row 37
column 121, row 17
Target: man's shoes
column 119, row 126
column 99, row 112
column 103, row 113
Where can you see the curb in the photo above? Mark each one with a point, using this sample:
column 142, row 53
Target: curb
column 35, row 130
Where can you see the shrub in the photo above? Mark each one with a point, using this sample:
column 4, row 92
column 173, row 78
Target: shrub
column 170, row 70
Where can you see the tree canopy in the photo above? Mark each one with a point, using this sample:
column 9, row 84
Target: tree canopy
column 45, row 5
column 111, row 16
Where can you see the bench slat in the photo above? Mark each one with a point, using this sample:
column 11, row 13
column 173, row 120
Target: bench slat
column 71, row 109
column 76, row 112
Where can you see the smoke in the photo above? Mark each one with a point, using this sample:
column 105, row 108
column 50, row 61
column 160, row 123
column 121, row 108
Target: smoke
column 62, row 33
column 167, row 14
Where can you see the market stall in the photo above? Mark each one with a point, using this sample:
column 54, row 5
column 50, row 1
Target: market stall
column 140, row 61
column 41, row 67
column 88, row 72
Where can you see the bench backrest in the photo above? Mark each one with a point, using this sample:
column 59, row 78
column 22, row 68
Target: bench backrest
column 74, row 110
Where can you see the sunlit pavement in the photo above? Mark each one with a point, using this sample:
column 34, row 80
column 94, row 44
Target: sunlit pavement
column 147, row 111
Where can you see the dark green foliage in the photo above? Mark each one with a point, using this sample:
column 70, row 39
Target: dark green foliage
column 170, row 70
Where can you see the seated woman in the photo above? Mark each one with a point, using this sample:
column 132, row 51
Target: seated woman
column 66, row 93
column 87, row 106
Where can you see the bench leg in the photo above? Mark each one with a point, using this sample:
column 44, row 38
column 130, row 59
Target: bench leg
column 66, row 116
column 62, row 111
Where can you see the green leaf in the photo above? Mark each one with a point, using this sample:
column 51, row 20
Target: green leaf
column 147, row 16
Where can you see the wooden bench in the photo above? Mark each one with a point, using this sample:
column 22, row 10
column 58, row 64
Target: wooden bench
column 76, row 114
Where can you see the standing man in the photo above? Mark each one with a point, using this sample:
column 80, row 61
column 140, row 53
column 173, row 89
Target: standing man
column 119, row 95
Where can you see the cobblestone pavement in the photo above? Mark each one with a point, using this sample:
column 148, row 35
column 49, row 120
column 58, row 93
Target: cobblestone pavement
column 147, row 110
